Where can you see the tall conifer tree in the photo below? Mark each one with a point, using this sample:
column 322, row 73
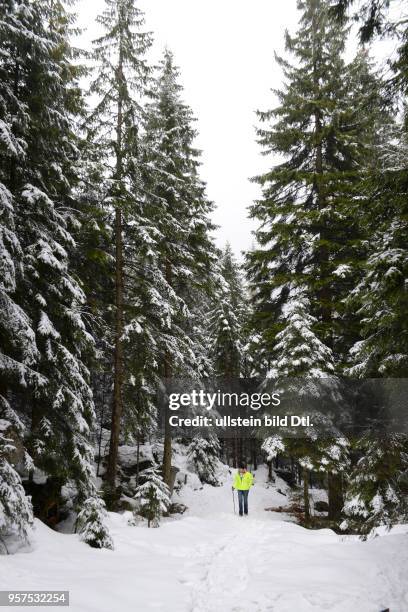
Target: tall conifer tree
column 41, row 102
column 308, row 232
column 120, row 84
column 176, row 211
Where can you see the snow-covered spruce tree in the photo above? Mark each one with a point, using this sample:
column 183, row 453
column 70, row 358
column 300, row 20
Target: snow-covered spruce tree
column 309, row 228
column 41, row 78
column 18, row 349
column 272, row 446
column 227, row 320
column 93, row 254
column 310, row 235
column 172, row 253
column 40, row 95
column 16, row 515
column 378, row 496
column 62, row 410
column 380, row 298
column 204, row 455
column 121, row 78
column 153, row 495
column 227, row 329
column 92, row 262
column 376, row 492
column 299, row 353
column 91, row 524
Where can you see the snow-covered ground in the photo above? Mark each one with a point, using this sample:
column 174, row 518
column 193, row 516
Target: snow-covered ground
column 210, row 560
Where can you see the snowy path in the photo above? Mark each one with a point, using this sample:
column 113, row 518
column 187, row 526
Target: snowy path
column 212, row 561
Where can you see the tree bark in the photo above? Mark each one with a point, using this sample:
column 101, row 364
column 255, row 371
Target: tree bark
column 118, row 358
column 254, row 455
column 324, row 293
column 167, row 448
column 335, row 492
column 306, row 498
column 137, row 459
column 118, row 351
column 100, row 433
column 167, row 430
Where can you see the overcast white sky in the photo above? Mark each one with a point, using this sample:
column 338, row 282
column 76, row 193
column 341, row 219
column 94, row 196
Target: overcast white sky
column 225, row 50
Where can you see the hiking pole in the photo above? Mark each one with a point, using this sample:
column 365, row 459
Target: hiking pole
column 233, row 500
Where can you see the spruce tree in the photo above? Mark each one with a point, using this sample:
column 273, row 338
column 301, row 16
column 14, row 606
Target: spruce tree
column 42, row 101
column 380, row 298
column 153, row 495
column 308, row 230
column 227, row 327
column 228, row 318
column 376, row 492
column 16, row 513
column 310, row 235
column 120, row 84
column 90, row 524
column 204, row 455
column 298, row 350
column 300, row 354
column 173, row 249
column 62, row 410
column 19, row 351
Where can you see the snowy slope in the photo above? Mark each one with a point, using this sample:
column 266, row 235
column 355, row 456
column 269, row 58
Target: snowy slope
column 210, row 560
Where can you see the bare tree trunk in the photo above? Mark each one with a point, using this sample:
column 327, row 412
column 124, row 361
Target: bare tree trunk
column 167, row 437
column 137, row 459
column 242, row 459
column 235, row 452
column 118, row 358
column 167, row 429
column 98, row 463
column 306, row 499
column 325, row 292
column 335, row 492
column 254, row 455
column 118, row 352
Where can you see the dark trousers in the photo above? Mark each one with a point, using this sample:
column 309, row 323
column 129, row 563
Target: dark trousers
column 243, row 502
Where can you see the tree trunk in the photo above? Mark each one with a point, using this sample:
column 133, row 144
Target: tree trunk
column 306, row 499
column 235, row 452
column 167, row 429
column 98, row 463
column 137, row 459
column 118, row 352
column 324, row 293
column 167, row 439
column 335, row 492
column 242, row 459
column 254, row 455
column 118, row 357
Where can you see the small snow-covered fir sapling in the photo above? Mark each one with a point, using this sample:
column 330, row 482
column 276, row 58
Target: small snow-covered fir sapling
column 153, row 496
column 91, row 524
column 204, row 455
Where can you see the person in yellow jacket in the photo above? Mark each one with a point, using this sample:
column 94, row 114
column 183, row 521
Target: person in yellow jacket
column 243, row 481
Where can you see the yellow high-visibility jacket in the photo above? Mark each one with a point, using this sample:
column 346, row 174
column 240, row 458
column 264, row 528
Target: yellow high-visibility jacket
column 244, row 482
